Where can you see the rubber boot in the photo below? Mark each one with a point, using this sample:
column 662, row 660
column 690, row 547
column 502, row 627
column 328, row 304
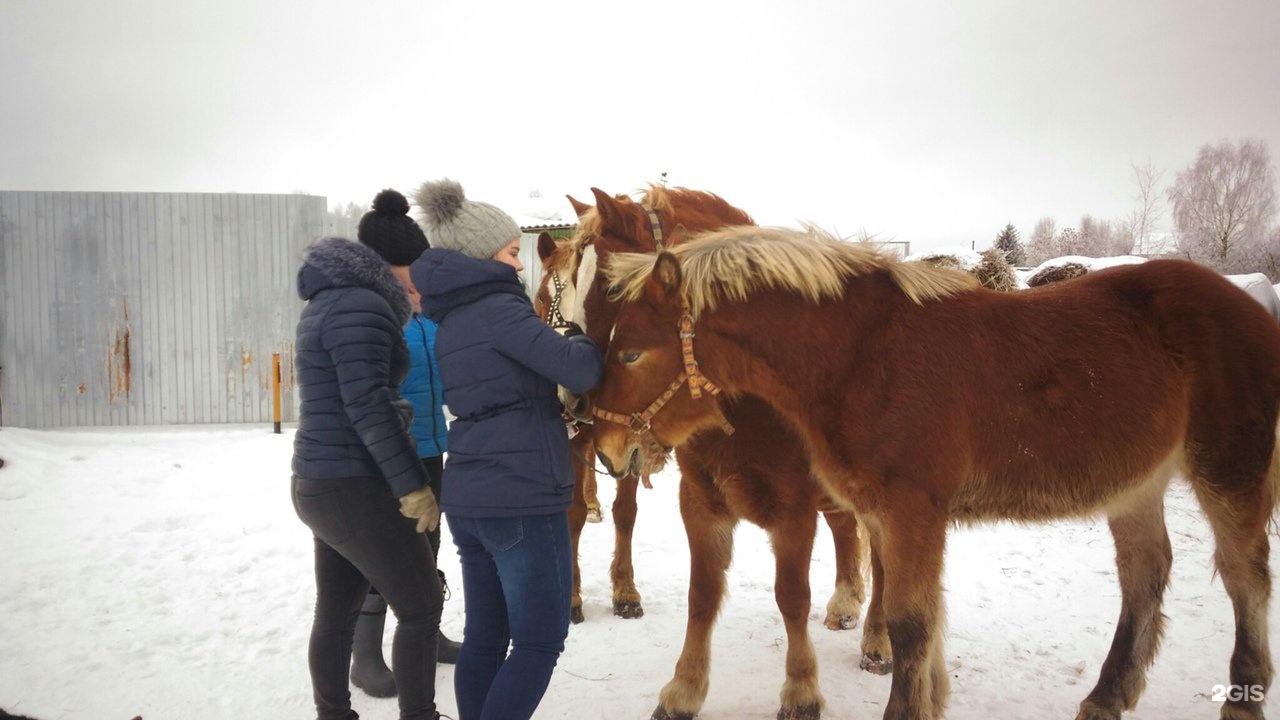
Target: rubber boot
column 369, row 671
column 446, row 649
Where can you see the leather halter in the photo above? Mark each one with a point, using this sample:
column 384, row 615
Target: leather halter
column 655, row 226
column 639, row 423
column 554, row 318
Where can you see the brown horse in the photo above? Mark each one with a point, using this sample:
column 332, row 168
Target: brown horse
column 924, row 400
column 560, row 261
column 760, row 473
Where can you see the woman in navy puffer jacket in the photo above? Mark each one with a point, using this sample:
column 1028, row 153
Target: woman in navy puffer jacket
column 357, row 480
column 508, row 480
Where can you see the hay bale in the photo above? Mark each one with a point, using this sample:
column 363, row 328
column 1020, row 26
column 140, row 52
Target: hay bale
column 943, row 260
column 995, row 272
column 1057, row 273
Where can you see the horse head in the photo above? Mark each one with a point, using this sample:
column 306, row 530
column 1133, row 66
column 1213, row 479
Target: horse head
column 652, row 396
column 618, row 224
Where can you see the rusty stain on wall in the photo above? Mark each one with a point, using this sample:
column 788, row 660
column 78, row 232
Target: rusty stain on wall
column 120, row 360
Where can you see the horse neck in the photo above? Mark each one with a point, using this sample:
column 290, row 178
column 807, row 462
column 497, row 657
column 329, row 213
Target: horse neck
column 705, row 215
column 784, row 349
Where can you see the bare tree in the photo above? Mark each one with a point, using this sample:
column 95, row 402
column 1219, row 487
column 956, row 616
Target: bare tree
column 1146, row 216
column 1042, row 245
column 1223, row 205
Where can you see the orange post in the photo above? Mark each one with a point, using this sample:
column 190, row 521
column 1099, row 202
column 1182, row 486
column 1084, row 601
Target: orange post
column 275, row 390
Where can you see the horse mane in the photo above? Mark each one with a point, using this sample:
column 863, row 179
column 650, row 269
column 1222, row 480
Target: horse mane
column 679, row 201
column 729, row 264
column 685, row 203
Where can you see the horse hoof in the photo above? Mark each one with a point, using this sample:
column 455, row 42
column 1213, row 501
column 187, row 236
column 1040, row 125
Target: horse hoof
column 801, row 712
column 628, row 609
column 1090, row 711
column 876, row 664
column 841, row 622
column 576, row 616
column 594, row 516
column 661, row 713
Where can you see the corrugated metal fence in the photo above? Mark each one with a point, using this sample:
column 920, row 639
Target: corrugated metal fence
column 148, row 308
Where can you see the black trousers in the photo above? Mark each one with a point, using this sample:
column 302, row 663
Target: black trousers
column 361, row 538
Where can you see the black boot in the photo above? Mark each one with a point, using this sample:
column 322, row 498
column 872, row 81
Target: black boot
column 369, row 671
column 446, row 649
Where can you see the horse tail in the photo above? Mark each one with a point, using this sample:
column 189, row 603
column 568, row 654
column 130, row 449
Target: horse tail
column 1273, row 483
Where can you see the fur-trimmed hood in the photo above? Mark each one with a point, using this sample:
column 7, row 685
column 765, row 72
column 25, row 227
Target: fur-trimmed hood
column 337, row 262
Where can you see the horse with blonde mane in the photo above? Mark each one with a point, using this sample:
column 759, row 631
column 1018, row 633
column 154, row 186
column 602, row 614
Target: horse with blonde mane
column 759, row 472
column 924, row 400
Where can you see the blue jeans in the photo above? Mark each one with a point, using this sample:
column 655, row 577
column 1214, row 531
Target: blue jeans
column 517, row 576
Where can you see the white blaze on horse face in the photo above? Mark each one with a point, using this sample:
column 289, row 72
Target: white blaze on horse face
column 585, row 277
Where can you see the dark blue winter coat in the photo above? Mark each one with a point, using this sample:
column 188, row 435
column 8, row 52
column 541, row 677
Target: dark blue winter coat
column 422, row 388
column 508, row 448
column 351, row 357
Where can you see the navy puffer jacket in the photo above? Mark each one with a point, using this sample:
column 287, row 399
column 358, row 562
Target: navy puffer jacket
column 500, row 363
column 351, row 356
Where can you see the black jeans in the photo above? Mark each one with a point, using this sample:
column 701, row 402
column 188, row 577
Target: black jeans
column 360, row 533
column 435, row 480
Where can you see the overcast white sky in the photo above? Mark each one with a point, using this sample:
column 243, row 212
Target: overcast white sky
column 934, row 121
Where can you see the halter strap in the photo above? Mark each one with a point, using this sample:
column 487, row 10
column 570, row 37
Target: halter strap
column 655, row 225
column 554, row 317
column 639, row 422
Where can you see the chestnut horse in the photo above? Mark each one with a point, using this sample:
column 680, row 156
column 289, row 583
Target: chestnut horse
column 924, row 400
column 760, row 472
column 560, row 261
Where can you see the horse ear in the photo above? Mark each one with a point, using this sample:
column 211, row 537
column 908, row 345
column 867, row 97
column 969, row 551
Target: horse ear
column 546, row 245
column 667, row 275
column 580, row 208
column 607, row 208
column 678, row 235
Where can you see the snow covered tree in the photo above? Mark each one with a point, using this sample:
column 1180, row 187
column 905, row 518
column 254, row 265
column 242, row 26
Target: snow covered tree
column 1008, row 243
column 1041, row 246
column 1223, row 205
column 1142, row 221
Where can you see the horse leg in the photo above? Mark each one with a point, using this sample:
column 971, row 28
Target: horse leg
column 792, row 550
column 589, row 497
column 709, row 526
column 913, row 540
column 877, row 654
column 846, row 601
column 626, row 598
column 1241, row 555
column 578, row 518
column 1143, row 559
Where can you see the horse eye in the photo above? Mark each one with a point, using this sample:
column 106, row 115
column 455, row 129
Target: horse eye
column 613, row 293
column 628, row 357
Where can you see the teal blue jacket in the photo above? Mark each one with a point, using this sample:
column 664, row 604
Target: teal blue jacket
column 423, row 388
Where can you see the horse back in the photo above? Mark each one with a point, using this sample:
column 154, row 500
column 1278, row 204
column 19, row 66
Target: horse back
column 1059, row 400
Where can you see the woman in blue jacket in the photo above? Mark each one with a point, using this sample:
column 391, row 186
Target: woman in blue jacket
column 423, row 388
column 357, row 482
column 508, row 480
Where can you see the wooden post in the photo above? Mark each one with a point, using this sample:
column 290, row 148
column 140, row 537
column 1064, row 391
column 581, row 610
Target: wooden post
column 275, row 390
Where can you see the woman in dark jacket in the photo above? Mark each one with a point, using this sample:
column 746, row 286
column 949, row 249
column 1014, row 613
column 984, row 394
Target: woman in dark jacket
column 357, row 480
column 508, row 481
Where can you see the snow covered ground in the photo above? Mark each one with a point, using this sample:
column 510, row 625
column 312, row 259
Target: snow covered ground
column 162, row 572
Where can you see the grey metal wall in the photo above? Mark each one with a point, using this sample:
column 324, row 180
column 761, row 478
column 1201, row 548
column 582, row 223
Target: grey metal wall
column 148, row 308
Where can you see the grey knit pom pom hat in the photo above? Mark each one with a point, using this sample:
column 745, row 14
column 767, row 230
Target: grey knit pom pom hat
column 453, row 222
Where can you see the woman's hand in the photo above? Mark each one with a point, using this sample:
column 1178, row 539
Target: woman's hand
column 421, row 505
